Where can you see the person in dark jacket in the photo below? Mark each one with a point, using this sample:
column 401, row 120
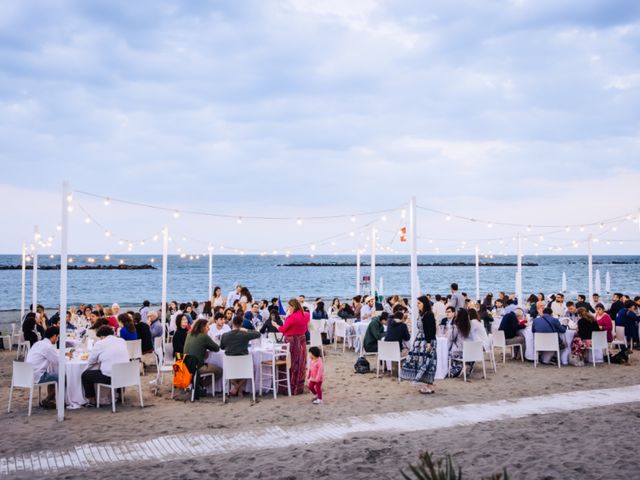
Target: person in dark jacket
column 582, row 303
column 397, row 330
column 375, row 332
column 144, row 333
column 512, row 326
column 180, row 335
column 616, row 305
column 29, row 329
column 274, row 319
column 587, row 324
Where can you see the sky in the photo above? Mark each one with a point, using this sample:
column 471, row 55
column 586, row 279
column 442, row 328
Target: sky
column 521, row 112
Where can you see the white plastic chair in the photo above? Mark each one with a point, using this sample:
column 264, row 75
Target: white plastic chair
column 275, row 337
column 316, row 340
column 135, row 351
column 619, row 338
column 7, row 341
column 389, row 352
column 499, row 341
column 22, row 377
column 599, row 343
column 471, row 352
column 340, row 331
column 545, row 342
column 23, row 346
column 489, row 350
column 162, row 367
column 319, row 325
column 362, row 352
column 238, row 367
column 122, row 375
column 281, row 358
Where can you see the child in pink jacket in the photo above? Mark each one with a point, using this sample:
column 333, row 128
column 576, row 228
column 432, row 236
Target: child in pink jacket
column 316, row 374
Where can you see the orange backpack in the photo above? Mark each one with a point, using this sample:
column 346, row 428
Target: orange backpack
column 182, row 377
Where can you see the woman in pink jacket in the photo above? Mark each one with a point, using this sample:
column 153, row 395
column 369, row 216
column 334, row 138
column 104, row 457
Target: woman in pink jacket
column 294, row 329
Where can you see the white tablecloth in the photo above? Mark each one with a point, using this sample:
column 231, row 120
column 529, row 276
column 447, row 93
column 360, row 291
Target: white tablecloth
column 258, row 354
column 565, row 353
column 73, row 395
column 442, row 351
column 360, row 328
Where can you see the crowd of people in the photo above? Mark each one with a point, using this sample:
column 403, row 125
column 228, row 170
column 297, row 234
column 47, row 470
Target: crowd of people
column 231, row 322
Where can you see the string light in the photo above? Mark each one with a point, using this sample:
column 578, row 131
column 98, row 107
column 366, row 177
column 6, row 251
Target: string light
column 87, row 220
column 239, row 220
column 107, row 257
column 59, row 228
column 176, row 214
column 299, row 222
column 107, row 202
column 448, row 218
column 353, row 218
column 107, row 233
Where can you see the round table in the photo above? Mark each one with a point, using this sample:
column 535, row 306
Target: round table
column 442, row 352
column 259, row 355
column 565, row 353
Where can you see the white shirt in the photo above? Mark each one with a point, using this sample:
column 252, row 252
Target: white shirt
column 367, row 312
column 44, row 358
column 108, row 351
column 558, row 309
column 219, row 301
column 232, row 297
column 215, row 334
column 479, row 334
column 439, row 311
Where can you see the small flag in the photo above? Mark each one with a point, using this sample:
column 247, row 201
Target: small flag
column 281, row 309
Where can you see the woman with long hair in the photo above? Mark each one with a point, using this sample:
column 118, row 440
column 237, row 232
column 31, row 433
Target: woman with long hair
column 335, row 307
column 294, row 329
column 127, row 327
column 459, row 333
column 421, row 364
column 180, row 335
column 218, row 300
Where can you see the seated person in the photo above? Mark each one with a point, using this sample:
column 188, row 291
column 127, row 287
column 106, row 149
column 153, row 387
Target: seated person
column 236, row 343
column 155, row 325
column 180, row 334
column 571, row 312
column 274, row 319
column 127, row 327
column 375, row 332
column 253, row 317
column 144, row 333
column 218, row 327
column 587, row 324
column 512, row 326
column 108, row 350
column 198, row 343
column 44, row 358
column 546, row 323
column 397, row 330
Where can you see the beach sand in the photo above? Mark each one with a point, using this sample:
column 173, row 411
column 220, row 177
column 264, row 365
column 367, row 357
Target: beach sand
column 591, row 443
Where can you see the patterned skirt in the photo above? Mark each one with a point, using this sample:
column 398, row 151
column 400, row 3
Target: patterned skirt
column 298, row 349
column 420, row 366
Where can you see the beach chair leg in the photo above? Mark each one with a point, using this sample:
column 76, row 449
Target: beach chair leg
column 113, row 400
column 30, row 400
column 98, row 396
column 140, row 392
column 608, row 356
column 559, row 359
column 484, row 371
column 464, row 371
column 10, row 397
column 535, row 359
column 275, row 380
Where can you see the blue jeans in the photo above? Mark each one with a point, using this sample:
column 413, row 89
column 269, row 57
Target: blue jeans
column 48, row 377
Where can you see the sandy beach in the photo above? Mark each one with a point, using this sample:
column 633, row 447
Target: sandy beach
column 584, row 443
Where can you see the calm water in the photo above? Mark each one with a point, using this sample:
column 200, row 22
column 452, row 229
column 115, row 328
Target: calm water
column 187, row 279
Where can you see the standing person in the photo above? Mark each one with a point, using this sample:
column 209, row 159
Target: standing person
column 457, row 300
column 108, row 350
column 316, row 374
column 234, row 295
column 144, row 311
column 439, row 308
column 422, row 362
column 294, row 329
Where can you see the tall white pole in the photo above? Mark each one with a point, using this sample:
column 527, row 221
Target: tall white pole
column 477, row 273
column 23, row 294
column 413, row 243
column 34, row 272
column 519, row 274
column 373, row 260
column 210, row 271
column 64, row 247
column 590, row 266
column 358, row 270
column 165, row 254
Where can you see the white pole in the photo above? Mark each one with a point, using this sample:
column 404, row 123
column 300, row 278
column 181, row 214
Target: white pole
column 373, row 260
column 477, row 273
column 210, row 271
column 414, row 267
column 519, row 274
column 23, row 295
column 34, row 272
column 165, row 250
column 590, row 266
column 64, row 246
column 358, row 270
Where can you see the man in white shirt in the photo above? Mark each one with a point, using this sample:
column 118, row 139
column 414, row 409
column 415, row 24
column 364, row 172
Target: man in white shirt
column 234, row 295
column 218, row 328
column 368, row 309
column 303, row 302
column 439, row 309
column 558, row 308
column 107, row 351
column 44, row 358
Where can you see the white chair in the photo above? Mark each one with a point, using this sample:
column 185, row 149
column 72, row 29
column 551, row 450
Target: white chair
column 545, row 342
column 281, row 358
column 15, row 334
column 362, row 352
column 499, row 341
column 135, row 351
column 275, row 337
column 162, row 367
column 239, row 367
column 489, row 350
column 471, row 352
column 599, row 343
column 619, row 338
column 340, row 330
column 319, row 325
column 7, row 342
column 389, row 352
column 122, row 375
column 23, row 346
column 202, row 376
column 22, row 377
column 315, row 340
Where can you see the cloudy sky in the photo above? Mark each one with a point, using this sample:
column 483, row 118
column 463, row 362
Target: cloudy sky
column 517, row 111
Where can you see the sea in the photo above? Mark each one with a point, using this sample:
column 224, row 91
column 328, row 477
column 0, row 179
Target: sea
column 267, row 277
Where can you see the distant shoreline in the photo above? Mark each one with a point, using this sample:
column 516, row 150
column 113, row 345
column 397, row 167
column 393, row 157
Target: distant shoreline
column 81, row 267
column 403, row 264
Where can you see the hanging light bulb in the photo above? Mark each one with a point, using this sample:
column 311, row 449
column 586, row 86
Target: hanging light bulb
column 50, row 256
column 70, row 260
column 107, row 202
column 313, row 246
column 403, row 213
column 352, row 234
column 239, row 220
column 87, row 220
column 107, row 257
column 489, row 225
column 155, row 238
column 176, row 214
column 287, row 254
column 107, row 233
column 120, row 242
column 601, row 225
column 142, row 243
column 153, row 260
column 582, row 228
column 299, row 222
column 384, row 218
column 528, row 228
column 70, row 197
column 121, row 262
column 615, row 229
column 70, row 208
column 353, row 218
column 59, row 228
column 448, row 217
column 275, row 252
column 567, row 228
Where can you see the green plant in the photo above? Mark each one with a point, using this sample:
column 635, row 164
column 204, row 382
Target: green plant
column 441, row 469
